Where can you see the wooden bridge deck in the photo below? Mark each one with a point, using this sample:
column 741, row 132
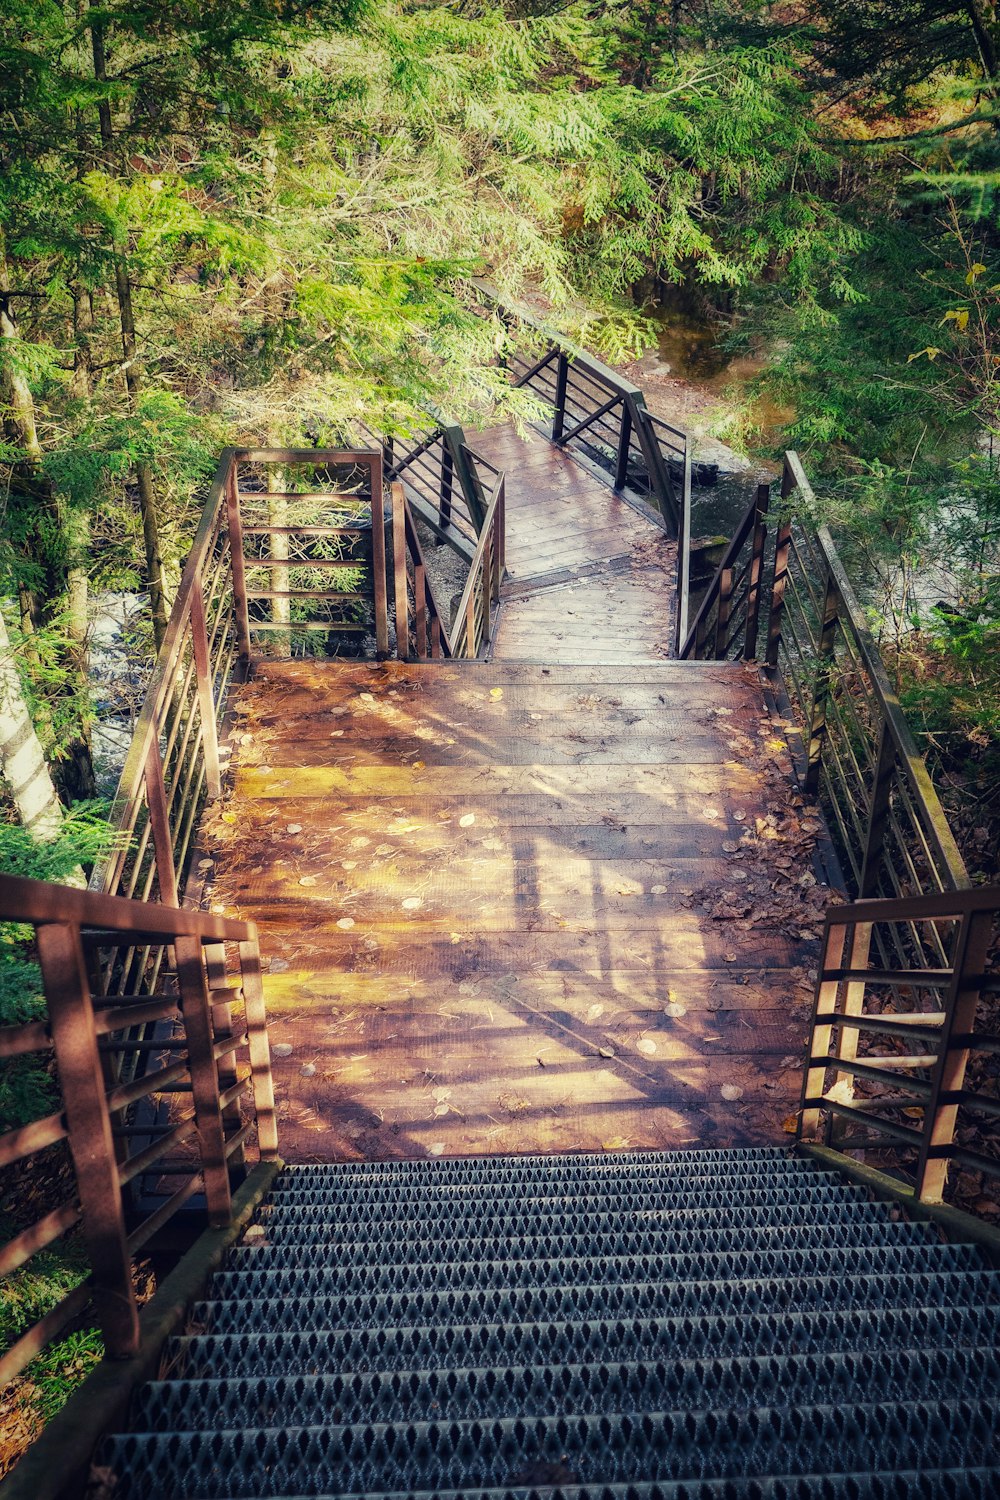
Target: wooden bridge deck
column 589, row 579
column 546, row 903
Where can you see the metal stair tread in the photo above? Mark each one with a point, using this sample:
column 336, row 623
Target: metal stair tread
column 470, row 1393
column 753, row 1334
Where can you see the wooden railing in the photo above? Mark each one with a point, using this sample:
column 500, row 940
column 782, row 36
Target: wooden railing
column 795, row 611
column 421, row 631
column 266, row 570
column 207, row 1079
column 472, row 629
column 599, row 416
column 902, row 1058
column 441, row 478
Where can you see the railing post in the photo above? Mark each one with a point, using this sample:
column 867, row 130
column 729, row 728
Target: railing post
column 756, row 577
column 856, row 937
column 624, row 443
column 241, row 609
column 821, row 684
column 195, row 1007
column 878, row 813
column 92, row 1145
column 221, row 999
column 454, row 442
column 722, row 614
column 782, row 546
column 379, row 583
column 261, row 1078
column 206, row 694
column 971, row 954
column 447, row 483
column 400, row 596
column 559, row 415
column 159, row 823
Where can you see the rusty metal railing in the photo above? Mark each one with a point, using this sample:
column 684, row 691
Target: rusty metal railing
column 902, row 1058
column 800, row 618
column 473, row 624
column 207, row 1078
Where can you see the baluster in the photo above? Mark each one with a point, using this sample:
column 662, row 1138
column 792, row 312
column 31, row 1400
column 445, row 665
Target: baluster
column 74, row 1034
column 159, row 823
column 420, row 609
column 723, row 612
column 756, row 578
column 447, row 484
column 221, row 997
column 821, row 683
column 196, row 1010
column 237, row 563
column 624, row 443
column 971, row 953
column 559, row 415
column 262, row 1081
column 380, row 592
column 878, row 814
column 397, row 505
column 782, row 546
column 206, row 695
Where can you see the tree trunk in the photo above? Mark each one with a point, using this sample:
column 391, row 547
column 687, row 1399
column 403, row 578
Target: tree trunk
column 22, row 763
column 133, row 377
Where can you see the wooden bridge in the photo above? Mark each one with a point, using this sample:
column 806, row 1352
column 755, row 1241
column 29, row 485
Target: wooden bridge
column 558, row 870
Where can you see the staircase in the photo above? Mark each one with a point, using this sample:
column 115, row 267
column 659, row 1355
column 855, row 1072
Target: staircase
column 673, row 1325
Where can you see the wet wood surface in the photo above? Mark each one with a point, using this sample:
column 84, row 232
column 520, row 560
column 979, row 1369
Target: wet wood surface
column 510, row 907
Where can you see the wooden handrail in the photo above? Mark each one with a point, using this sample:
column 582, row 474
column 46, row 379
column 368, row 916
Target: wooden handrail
column 924, row 1146
column 471, row 627
column 66, row 921
column 888, row 822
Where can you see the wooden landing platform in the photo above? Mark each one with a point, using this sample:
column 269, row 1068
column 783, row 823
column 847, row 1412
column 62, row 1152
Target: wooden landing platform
column 590, row 579
column 511, row 908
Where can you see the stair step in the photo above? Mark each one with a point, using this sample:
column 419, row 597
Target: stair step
column 663, row 1241
column 453, row 1346
column 607, row 1383
column 414, row 1191
column 577, row 1449
column 502, row 1169
column 736, row 1192
column 318, row 1223
column 306, row 1308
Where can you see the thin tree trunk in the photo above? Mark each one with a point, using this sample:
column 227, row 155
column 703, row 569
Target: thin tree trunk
column 133, row 379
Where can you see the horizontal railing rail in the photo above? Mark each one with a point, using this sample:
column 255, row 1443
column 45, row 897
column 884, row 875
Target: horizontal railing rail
column 473, row 624
column 206, row 1081
column 598, row 415
column 802, row 620
column 901, row 1061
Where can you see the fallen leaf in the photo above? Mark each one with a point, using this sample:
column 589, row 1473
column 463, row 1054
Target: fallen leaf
column 345, row 923
column 594, row 1012
column 282, row 1049
column 607, row 1051
column 411, row 903
column 496, row 692
column 790, row 1124
column 437, row 1149
column 731, row 1091
column 293, row 828
column 466, row 820
column 675, row 1009
column 308, row 1070
column 647, row 1045
column 657, row 890
column 307, row 880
